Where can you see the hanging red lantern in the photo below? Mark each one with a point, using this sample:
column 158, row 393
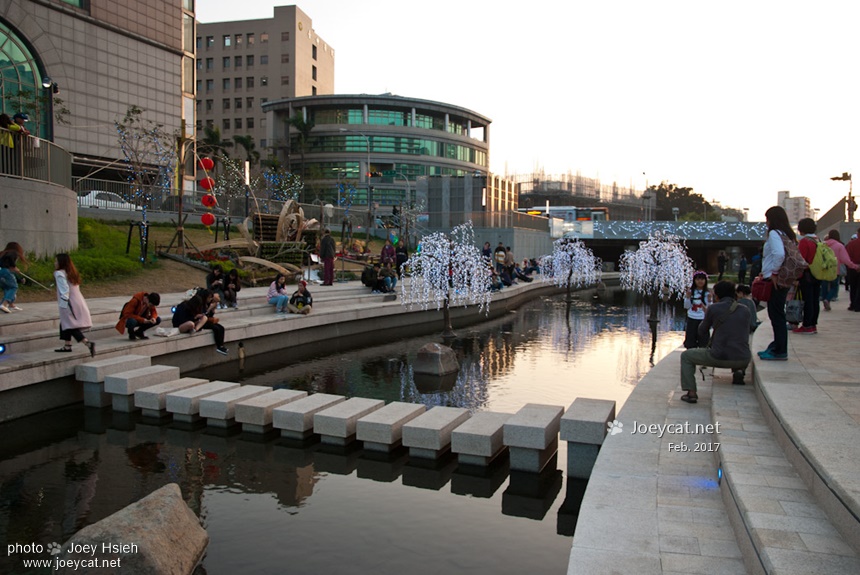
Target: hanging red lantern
column 207, row 219
column 205, row 164
column 209, row 201
column 207, row 183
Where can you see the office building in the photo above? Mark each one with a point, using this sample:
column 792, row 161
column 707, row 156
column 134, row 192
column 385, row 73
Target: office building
column 796, row 208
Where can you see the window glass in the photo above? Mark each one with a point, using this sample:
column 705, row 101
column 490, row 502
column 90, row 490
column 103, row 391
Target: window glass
column 264, row 38
column 249, row 103
column 249, row 123
column 225, row 84
column 285, row 36
column 250, row 39
column 225, row 62
column 237, row 103
column 210, row 41
column 314, row 72
column 314, row 52
column 239, row 40
column 264, row 59
column 285, row 80
column 285, row 58
column 188, row 74
column 210, row 85
column 249, row 61
column 237, row 62
column 238, row 123
column 188, row 5
column 238, row 84
column 209, row 104
column 199, row 63
column 249, row 82
column 225, row 123
column 264, row 80
column 225, row 103
column 187, row 32
column 228, row 40
column 210, row 63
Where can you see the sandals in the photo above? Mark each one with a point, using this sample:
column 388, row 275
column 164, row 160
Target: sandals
column 689, row 399
column 64, row 349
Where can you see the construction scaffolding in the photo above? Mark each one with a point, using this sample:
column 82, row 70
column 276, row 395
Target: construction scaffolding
column 538, row 188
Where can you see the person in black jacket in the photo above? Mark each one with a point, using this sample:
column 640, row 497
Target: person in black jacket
column 215, row 283
column 301, row 300
column 190, row 317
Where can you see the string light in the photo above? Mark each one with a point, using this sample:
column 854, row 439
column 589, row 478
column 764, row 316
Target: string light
column 736, row 231
column 571, row 264
column 660, row 266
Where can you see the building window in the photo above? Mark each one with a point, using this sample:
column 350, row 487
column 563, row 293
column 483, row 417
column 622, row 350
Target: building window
column 314, row 72
column 249, row 61
column 198, row 125
column 264, row 80
column 285, row 58
column 263, row 101
column 225, row 84
column 249, row 123
column 264, row 38
column 249, row 103
column 313, row 90
column 249, row 82
column 199, row 43
column 199, row 86
column 263, row 143
column 225, row 123
column 285, row 36
column 237, row 103
column 264, row 59
column 210, row 123
column 210, row 41
column 249, row 38
column 209, row 104
column 199, row 64
column 225, row 104
column 239, row 39
column 210, row 85
column 238, row 85
column 285, row 80
column 225, row 62
column 314, row 52
column 228, row 40
column 210, row 63
column 237, row 62
column 238, row 123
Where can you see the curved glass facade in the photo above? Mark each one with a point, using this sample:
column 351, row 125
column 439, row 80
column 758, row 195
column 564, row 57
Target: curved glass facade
column 21, row 89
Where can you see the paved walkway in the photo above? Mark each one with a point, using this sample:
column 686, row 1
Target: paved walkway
column 789, row 456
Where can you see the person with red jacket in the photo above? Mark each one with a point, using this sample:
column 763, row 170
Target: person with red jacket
column 830, row 289
column 139, row 314
column 810, row 287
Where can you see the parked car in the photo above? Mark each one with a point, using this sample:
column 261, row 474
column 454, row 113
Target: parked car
column 104, row 200
column 189, row 205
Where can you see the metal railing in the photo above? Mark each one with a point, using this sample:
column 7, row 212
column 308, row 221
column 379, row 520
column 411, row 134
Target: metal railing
column 27, row 157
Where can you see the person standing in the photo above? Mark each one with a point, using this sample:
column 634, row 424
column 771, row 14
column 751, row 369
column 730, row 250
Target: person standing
column 830, row 289
column 853, row 250
column 74, row 313
column 327, row 253
column 8, row 275
column 722, row 260
column 778, row 229
column 487, row 251
column 388, row 255
column 742, row 270
column 696, row 302
column 139, row 314
column 810, row 287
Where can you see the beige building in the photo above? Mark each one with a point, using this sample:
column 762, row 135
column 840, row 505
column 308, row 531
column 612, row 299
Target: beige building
column 246, row 63
column 796, row 208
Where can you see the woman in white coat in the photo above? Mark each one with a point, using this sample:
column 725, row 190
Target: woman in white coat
column 74, row 313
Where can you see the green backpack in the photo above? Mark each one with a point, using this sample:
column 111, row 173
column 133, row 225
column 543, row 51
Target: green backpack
column 824, row 265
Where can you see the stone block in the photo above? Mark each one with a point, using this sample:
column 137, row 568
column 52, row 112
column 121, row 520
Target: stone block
column 127, row 382
column 586, row 420
column 581, row 458
column 428, row 436
column 534, row 426
column 220, row 409
column 158, row 534
column 296, row 419
column 532, row 460
column 480, row 439
column 336, row 425
column 96, row 371
column 436, row 359
column 153, row 400
column 94, row 395
column 382, row 430
column 255, row 413
column 185, row 404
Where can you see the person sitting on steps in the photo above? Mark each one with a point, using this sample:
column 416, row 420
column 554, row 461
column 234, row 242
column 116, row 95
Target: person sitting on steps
column 301, row 300
column 139, row 314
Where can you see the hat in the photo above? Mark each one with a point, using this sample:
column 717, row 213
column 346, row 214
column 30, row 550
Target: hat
column 22, row 116
column 303, row 283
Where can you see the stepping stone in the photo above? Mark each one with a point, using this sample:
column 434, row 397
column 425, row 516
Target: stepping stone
column 336, row 425
column 532, row 436
column 185, row 404
column 122, row 385
column 220, row 409
column 428, row 436
column 480, row 440
column 153, row 400
column 584, row 426
column 92, row 375
column 296, row 419
column 255, row 414
column 382, row 430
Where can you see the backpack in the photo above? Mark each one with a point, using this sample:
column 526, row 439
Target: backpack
column 824, row 265
column 793, row 265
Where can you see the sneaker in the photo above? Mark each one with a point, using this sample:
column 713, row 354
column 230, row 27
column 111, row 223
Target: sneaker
column 738, row 378
column 768, row 355
column 826, row 305
column 131, row 336
column 5, row 309
column 14, row 307
column 222, row 350
column 803, row 329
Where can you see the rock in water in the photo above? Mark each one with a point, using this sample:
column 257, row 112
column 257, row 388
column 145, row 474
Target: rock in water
column 436, row 359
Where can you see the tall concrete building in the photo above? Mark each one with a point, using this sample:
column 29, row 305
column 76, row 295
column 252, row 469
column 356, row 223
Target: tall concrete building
column 246, row 63
column 796, row 208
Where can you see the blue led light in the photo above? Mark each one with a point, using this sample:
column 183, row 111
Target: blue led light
column 719, row 474
column 173, row 309
column 2, row 348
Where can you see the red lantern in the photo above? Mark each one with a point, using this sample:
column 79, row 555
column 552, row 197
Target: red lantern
column 205, row 164
column 209, row 201
column 207, row 183
column 207, row 219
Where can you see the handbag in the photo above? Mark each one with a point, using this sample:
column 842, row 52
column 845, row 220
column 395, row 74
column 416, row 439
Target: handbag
column 794, row 309
column 761, row 289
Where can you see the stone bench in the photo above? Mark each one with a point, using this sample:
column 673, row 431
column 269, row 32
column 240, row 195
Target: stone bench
column 255, row 413
column 382, row 430
column 428, row 436
column 336, row 425
column 584, row 427
column 296, row 419
column 531, row 434
column 220, row 409
column 122, row 385
column 480, row 440
column 153, row 400
column 92, row 374
column 185, row 403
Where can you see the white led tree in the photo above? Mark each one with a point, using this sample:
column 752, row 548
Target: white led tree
column 448, row 270
column 571, row 265
column 660, row 267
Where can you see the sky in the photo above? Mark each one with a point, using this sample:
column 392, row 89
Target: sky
column 736, row 99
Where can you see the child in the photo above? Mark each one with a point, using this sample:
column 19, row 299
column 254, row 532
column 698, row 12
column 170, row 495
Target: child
column 696, row 302
column 745, row 298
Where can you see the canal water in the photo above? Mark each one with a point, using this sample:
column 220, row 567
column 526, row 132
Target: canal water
column 272, row 506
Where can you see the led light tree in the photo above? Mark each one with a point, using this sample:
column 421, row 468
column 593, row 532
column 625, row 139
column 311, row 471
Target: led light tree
column 448, row 270
column 660, row 267
column 571, row 265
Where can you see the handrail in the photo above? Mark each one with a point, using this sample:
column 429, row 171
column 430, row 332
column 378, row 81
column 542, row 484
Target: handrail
column 31, row 158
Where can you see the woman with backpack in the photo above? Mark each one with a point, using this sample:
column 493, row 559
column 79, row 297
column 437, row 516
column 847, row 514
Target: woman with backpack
column 779, row 237
column 830, row 289
column 810, row 287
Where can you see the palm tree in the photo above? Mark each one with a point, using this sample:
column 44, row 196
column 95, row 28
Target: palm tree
column 252, row 156
column 304, row 128
column 212, row 144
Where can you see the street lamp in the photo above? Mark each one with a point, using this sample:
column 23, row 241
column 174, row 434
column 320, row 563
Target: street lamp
column 851, row 205
column 50, row 88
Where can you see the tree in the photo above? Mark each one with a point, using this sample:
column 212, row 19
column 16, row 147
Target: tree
column 252, row 156
column 571, row 264
column 35, row 104
column 660, row 267
column 448, row 270
column 691, row 206
column 304, row 129
column 150, row 155
column 212, row 145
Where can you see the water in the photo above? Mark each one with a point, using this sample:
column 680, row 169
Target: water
column 273, row 507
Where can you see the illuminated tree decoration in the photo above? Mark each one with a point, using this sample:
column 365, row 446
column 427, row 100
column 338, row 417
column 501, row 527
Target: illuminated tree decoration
column 448, row 270
column 660, row 267
column 571, row 265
